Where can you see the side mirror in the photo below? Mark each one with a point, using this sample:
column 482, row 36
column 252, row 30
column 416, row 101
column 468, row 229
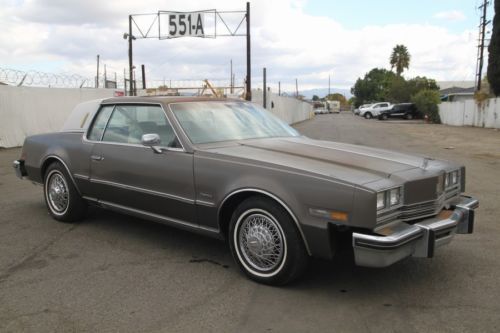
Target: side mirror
column 151, row 140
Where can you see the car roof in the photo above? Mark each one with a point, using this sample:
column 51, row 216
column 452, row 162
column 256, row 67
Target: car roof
column 166, row 99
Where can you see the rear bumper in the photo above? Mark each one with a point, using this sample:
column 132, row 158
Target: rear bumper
column 418, row 240
column 18, row 166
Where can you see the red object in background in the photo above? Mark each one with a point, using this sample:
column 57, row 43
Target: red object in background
column 119, row 93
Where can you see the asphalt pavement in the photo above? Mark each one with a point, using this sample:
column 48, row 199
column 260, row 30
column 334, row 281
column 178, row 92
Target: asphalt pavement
column 114, row 273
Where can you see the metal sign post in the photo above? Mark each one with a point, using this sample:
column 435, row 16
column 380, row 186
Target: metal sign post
column 201, row 24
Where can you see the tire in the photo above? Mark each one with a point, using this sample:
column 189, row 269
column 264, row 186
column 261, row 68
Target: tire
column 384, row 117
column 409, row 116
column 270, row 221
column 63, row 201
column 368, row 115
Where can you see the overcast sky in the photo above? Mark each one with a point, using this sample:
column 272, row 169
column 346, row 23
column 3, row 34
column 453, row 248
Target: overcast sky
column 308, row 40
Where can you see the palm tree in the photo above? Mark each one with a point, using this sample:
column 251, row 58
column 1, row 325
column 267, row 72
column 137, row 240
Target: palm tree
column 400, row 58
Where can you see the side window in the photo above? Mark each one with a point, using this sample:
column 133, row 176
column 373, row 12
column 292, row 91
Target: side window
column 99, row 123
column 130, row 122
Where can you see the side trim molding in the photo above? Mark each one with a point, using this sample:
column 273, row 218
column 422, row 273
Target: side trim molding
column 158, row 218
column 274, row 197
column 143, row 190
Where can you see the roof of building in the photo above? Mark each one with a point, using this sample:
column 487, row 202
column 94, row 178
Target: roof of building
column 458, row 91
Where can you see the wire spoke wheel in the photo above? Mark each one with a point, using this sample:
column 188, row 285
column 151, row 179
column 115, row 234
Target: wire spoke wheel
column 58, row 193
column 261, row 241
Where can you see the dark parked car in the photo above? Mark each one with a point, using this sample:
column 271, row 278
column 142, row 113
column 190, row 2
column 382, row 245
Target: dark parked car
column 231, row 170
column 402, row 110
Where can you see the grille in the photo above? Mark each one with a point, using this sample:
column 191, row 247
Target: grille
column 416, row 211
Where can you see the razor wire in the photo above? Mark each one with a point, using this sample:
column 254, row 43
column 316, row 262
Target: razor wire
column 34, row 78
column 43, row 79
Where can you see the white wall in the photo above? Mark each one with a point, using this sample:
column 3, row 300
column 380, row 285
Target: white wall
column 288, row 109
column 26, row 111
column 469, row 113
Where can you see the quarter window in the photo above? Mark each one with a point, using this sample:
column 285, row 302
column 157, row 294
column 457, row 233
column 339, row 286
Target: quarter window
column 95, row 133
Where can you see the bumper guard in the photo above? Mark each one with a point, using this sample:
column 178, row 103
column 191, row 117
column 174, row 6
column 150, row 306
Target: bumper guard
column 417, row 240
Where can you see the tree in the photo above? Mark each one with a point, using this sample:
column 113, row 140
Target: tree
column 400, row 58
column 427, row 101
column 373, row 87
column 494, row 53
column 337, row 97
column 401, row 90
column 315, row 98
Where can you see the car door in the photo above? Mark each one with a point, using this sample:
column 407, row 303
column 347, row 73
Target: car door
column 131, row 177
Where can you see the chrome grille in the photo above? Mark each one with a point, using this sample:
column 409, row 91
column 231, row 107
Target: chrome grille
column 424, row 209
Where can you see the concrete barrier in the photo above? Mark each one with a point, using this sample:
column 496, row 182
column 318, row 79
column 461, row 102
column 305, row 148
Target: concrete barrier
column 469, row 113
column 288, row 109
column 26, row 111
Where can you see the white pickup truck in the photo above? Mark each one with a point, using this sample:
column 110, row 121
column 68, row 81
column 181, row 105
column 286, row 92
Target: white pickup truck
column 375, row 109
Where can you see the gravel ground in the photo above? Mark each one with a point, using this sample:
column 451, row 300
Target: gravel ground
column 114, row 273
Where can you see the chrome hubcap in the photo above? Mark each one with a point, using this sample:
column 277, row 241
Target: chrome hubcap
column 261, row 242
column 58, row 193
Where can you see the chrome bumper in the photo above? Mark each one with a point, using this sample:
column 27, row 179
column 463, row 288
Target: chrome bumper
column 18, row 166
column 417, row 240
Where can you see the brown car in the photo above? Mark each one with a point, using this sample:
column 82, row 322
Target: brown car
column 231, row 170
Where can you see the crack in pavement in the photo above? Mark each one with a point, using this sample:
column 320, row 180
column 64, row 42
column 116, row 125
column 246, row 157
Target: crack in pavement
column 27, row 260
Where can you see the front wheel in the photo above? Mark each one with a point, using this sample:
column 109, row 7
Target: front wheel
column 61, row 196
column 368, row 115
column 265, row 242
column 409, row 116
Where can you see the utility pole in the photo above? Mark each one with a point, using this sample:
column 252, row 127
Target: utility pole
column 97, row 76
column 105, row 77
column 143, row 77
column 248, row 95
column 264, row 93
column 130, row 62
column 297, row 88
column 231, row 78
column 482, row 33
column 125, row 81
column 279, row 88
column 328, row 85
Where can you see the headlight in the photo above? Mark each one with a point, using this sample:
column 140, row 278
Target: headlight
column 395, row 196
column 451, row 179
column 389, row 198
column 381, row 200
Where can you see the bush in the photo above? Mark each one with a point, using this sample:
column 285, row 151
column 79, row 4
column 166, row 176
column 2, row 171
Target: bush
column 427, row 102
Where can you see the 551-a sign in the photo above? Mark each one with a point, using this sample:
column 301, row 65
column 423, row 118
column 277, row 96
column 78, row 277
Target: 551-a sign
column 186, row 24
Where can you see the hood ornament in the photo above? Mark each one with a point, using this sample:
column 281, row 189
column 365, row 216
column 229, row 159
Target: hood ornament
column 425, row 163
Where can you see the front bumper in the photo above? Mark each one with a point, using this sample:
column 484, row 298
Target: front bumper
column 18, row 166
column 418, row 240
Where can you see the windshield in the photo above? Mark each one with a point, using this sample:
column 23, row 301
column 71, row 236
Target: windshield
column 206, row 122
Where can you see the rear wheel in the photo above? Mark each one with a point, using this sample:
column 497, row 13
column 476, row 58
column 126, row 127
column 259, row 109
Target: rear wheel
column 265, row 242
column 61, row 196
column 368, row 115
column 384, row 116
column 409, row 116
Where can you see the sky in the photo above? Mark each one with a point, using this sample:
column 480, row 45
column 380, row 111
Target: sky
column 308, row 40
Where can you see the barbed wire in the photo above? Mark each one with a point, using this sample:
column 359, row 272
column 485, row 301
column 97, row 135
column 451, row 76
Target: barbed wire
column 43, row 79
column 67, row 80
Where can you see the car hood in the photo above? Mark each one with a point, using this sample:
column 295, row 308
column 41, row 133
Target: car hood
column 350, row 163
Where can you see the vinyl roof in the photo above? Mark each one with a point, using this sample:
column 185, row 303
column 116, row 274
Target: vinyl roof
column 166, row 99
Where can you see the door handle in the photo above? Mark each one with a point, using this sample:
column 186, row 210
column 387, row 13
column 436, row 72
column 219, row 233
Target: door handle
column 96, row 158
